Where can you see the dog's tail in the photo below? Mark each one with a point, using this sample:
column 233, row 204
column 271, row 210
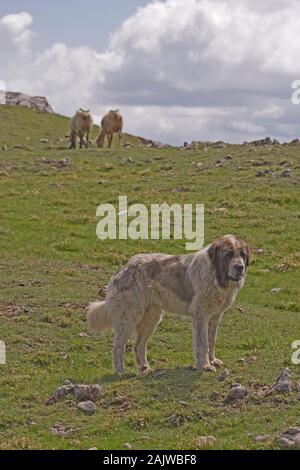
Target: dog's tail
column 98, row 317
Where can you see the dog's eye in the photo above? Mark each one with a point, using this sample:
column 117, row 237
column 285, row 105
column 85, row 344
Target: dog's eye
column 229, row 253
column 243, row 254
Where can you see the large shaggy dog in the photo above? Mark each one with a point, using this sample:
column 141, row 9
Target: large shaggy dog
column 111, row 123
column 201, row 285
column 81, row 126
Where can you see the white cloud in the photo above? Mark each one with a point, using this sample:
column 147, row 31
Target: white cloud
column 178, row 69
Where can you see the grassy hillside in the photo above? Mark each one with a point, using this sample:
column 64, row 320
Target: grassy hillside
column 52, row 265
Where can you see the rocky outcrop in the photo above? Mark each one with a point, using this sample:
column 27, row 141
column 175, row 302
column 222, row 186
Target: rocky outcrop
column 37, row 103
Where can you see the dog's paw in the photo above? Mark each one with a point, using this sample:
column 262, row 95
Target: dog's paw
column 207, row 368
column 217, row 362
column 144, row 370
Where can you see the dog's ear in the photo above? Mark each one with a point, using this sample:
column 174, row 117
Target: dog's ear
column 220, row 264
column 213, row 253
column 248, row 254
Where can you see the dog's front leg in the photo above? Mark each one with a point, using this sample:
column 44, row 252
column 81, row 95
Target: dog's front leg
column 200, row 334
column 212, row 337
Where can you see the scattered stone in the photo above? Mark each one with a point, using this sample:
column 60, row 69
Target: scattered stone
column 224, row 375
column 204, row 441
column 261, row 438
column 87, row 407
column 290, row 438
column 287, row 173
column 4, row 148
column 242, row 360
column 259, row 251
column 128, row 446
column 62, row 430
column 62, row 163
column 259, row 163
column 18, row 146
column 283, row 384
column 251, row 359
column 265, row 172
column 93, row 448
column 44, row 141
column 108, row 166
column 130, row 160
column 180, row 190
column 102, row 181
column 83, row 335
column 79, row 392
column 236, row 393
column 222, row 210
column 276, row 290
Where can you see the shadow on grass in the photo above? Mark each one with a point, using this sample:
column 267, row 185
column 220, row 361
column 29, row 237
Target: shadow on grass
column 177, row 382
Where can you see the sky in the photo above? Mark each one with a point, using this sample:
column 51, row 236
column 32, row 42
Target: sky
column 179, row 70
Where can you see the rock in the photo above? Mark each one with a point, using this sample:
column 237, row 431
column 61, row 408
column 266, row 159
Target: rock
column 276, row 290
column 261, row 438
column 44, row 141
column 285, row 443
column 93, row 448
column 128, row 446
column 87, row 406
column 224, row 375
column 79, row 392
column 62, row 430
column 283, row 383
column 259, row 251
column 18, row 146
column 82, row 334
column 259, row 163
column 62, row 163
column 287, row 173
column 236, row 393
column 4, row 148
column 251, row 359
column 108, row 166
column 290, row 438
column 37, row 103
column 222, row 210
column 203, row 441
column 130, row 160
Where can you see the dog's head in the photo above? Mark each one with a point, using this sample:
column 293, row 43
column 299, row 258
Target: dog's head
column 230, row 257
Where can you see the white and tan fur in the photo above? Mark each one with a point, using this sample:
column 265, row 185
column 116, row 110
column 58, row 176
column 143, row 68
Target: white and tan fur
column 81, row 126
column 202, row 286
column 111, row 123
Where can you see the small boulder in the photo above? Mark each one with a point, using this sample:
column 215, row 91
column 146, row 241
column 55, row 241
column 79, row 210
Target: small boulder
column 236, row 393
column 87, row 407
column 205, row 441
column 224, row 375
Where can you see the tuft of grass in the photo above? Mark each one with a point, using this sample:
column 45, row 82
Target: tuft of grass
column 52, row 265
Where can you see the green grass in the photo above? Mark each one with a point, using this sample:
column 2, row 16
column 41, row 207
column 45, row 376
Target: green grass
column 48, row 235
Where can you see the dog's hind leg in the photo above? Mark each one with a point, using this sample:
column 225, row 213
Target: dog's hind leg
column 144, row 329
column 121, row 335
